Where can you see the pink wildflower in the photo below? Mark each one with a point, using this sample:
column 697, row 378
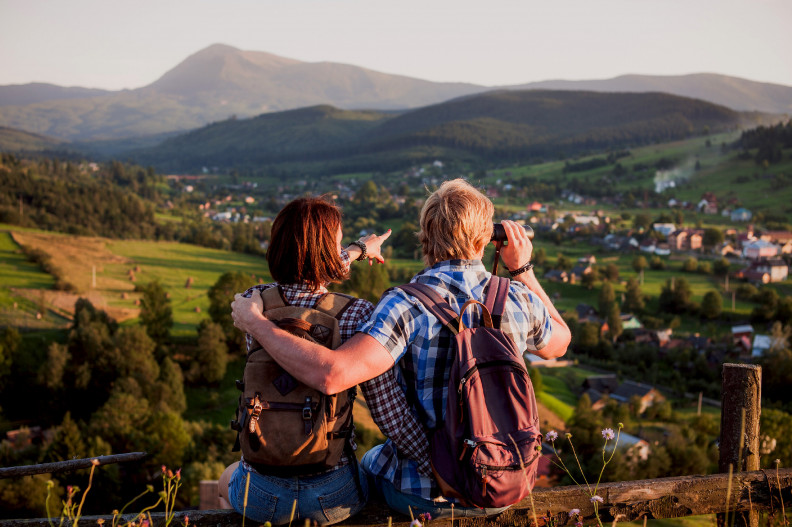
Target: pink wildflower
column 596, row 499
column 552, row 435
column 573, row 512
column 607, row 433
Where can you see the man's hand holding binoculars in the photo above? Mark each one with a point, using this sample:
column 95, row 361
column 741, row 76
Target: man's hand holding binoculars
column 517, row 252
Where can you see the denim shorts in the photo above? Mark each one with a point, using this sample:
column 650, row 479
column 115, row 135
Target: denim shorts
column 327, row 498
column 410, row 504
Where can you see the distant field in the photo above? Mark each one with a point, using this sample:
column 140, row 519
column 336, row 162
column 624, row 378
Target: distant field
column 720, row 172
column 116, row 262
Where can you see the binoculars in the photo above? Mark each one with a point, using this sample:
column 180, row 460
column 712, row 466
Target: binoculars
column 499, row 233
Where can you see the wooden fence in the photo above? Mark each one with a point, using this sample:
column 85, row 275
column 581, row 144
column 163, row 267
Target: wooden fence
column 741, row 491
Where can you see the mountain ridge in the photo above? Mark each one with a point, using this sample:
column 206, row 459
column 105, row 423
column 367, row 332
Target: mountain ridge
column 221, row 81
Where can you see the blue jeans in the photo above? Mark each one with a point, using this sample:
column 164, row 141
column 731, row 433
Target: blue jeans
column 405, row 503
column 326, row 498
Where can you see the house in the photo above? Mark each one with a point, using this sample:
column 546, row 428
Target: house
column 778, row 237
column 708, row 204
column 598, row 386
column 741, row 214
column 685, row 239
column 557, row 275
column 587, row 313
column 646, row 393
column 776, row 270
column 664, row 228
column 662, row 249
column 535, row 207
column 760, row 249
column 741, row 336
column 761, row 345
column 648, row 246
column 635, row 447
column 579, row 271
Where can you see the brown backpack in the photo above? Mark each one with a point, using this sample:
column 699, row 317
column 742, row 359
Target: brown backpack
column 285, row 427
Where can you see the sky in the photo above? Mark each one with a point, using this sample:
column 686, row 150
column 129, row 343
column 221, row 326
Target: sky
column 117, row 44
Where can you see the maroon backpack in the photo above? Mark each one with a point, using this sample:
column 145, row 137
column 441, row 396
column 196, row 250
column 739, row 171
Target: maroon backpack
column 485, row 452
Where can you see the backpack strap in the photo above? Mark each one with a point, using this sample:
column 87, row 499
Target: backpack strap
column 495, row 298
column 334, row 304
column 435, row 303
column 273, row 298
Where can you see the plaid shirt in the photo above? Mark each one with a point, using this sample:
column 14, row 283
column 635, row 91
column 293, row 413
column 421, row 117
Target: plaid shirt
column 424, row 354
column 386, row 399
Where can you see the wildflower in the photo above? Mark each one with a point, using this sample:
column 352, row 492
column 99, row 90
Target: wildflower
column 596, row 499
column 95, row 462
column 170, row 474
column 144, row 523
column 552, row 435
column 164, row 469
column 428, row 517
column 608, row 434
column 100, row 521
column 621, row 425
column 568, row 435
column 777, row 461
column 573, row 512
column 51, row 483
column 150, row 488
column 415, row 523
column 579, row 524
column 178, row 474
column 186, row 520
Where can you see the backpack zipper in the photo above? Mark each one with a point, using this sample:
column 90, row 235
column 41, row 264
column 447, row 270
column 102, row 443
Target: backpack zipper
column 490, row 364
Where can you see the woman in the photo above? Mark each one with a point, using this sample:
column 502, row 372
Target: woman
column 304, row 256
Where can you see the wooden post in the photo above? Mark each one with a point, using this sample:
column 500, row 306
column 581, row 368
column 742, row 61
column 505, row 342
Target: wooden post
column 741, row 398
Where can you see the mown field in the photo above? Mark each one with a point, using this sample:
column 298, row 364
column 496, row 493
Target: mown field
column 117, row 262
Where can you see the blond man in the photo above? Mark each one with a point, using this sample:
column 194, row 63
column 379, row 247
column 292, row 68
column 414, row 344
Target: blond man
column 456, row 225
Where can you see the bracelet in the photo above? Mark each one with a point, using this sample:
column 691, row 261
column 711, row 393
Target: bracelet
column 521, row 270
column 362, row 246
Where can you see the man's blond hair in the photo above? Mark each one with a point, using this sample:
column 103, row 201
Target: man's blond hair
column 456, row 222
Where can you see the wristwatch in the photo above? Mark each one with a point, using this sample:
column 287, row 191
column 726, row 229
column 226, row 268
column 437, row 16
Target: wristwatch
column 362, row 246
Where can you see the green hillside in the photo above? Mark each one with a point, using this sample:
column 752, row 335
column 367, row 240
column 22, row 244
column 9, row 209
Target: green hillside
column 13, row 140
column 495, row 127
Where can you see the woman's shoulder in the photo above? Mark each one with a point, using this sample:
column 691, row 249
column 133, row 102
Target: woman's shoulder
column 258, row 288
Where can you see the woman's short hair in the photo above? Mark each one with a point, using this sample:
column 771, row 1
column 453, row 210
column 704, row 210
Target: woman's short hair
column 456, row 222
column 303, row 244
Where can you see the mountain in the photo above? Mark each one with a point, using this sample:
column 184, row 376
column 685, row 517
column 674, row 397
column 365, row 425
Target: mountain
column 12, row 140
column 503, row 126
column 35, row 92
column 219, row 82
column 732, row 92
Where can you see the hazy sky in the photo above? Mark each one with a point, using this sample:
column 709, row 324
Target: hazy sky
column 116, row 44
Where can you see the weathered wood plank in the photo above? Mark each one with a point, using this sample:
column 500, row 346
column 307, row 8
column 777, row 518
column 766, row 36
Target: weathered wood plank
column 71, row 464
column 623, row 501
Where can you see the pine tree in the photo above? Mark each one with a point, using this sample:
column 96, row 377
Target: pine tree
column 155, row 312
column 607, row 297
column 634, row 299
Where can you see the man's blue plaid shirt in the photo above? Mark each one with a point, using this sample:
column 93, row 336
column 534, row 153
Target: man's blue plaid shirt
column 424, row 353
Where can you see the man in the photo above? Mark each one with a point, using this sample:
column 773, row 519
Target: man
column 456, row 225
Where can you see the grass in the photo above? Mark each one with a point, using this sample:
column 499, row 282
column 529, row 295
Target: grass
column 75, row 257
column 561, row 409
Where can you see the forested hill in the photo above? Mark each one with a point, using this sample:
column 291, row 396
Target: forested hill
column 492, row 127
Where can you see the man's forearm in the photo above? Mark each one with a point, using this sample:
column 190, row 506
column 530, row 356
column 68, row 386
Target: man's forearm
column 561, row 336
column 330, row 371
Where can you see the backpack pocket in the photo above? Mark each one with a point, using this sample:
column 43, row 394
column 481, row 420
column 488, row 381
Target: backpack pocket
column 498, row 472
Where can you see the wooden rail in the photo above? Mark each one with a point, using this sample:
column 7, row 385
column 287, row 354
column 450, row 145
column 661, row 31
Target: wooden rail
column 71, row 464
column 622, row 501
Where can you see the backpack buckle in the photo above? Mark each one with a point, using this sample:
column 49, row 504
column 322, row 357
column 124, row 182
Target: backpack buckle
column 307, row 414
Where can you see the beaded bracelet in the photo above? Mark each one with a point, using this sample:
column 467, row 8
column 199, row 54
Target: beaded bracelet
column 521, row 270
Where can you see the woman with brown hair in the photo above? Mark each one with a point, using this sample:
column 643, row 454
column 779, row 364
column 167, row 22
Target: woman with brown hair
column 304, row 256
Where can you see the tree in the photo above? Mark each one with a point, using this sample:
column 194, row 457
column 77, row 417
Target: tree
column 51, row 372
column 721, row 266
column 136, row 352
column 767, row 299
column 367, row 281
column 615, row 327
column 657, row 263
column 211, row 358
column 612, row 272
column 405, row 241
column 539, row 257
column 712, row 237
column 711, row 305
column 675, row 296
column 155, row 312
column 221, row 294
column 588, row 336
column 170, row 387
column 690, row 265
column 607, row 297
column 639, row 263
column 634, row 299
